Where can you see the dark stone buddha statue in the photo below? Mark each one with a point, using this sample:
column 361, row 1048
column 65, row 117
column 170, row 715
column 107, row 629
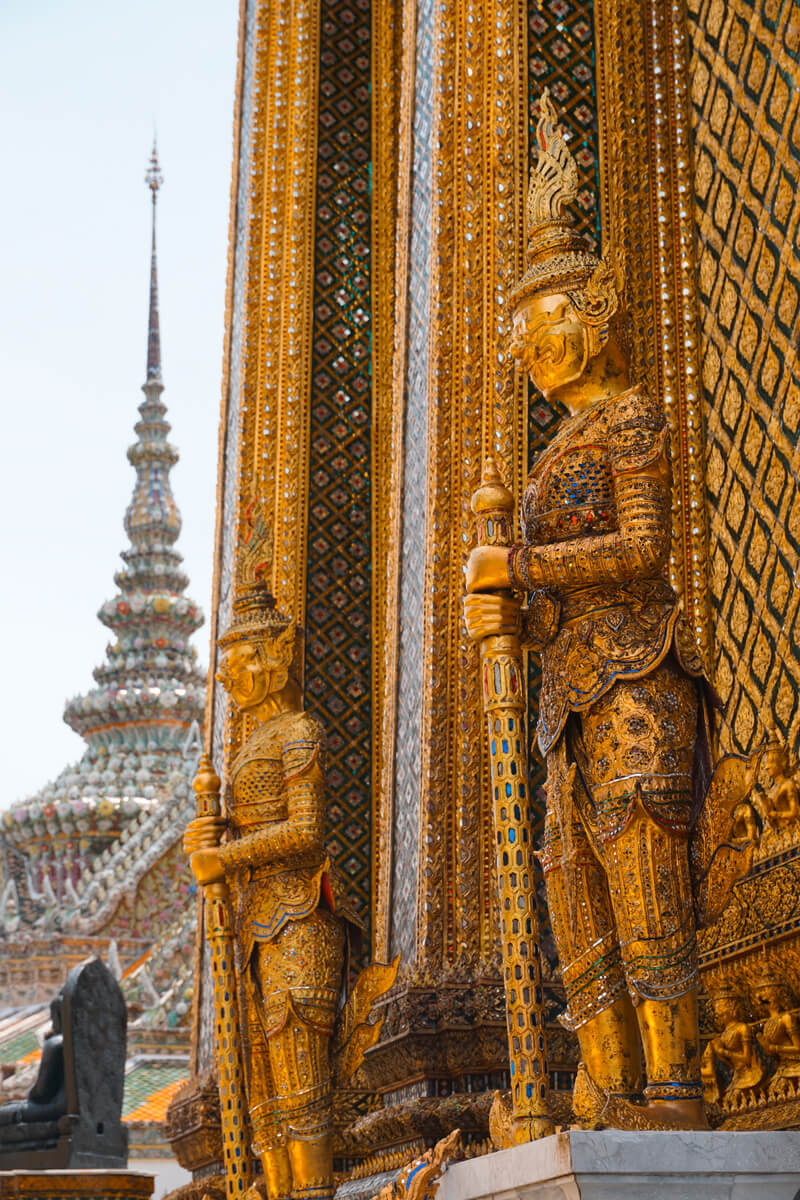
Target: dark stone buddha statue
column 71, row 1117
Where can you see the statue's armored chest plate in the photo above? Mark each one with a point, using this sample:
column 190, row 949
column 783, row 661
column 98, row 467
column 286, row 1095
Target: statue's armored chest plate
column 258, row 791
column 258, row 794
column 570, row 491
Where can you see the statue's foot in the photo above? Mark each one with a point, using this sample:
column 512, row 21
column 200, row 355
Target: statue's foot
column 596, row 1108
column 589, row 1101
column 677, row 1114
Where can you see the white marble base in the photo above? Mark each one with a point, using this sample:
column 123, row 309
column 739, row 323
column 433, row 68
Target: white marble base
column 611, row 1165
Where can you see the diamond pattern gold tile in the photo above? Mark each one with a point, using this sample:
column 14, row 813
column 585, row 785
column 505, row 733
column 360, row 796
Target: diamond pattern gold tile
column 561, row 57
column 338, row 583
column 746, row 125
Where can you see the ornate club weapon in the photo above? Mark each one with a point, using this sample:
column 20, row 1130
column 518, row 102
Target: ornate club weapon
column 219, row 932
column 504, row 706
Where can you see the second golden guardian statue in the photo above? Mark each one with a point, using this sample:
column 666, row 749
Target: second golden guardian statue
column 628, row 849
column 289, row 914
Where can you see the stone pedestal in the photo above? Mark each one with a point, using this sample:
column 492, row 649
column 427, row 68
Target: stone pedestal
column 611, row 1165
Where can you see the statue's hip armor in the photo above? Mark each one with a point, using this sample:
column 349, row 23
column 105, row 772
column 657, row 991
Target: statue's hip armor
column 266, row 899
column 607, row 633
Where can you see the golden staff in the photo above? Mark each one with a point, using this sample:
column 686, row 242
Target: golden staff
column 504, row 706
column 219, row 932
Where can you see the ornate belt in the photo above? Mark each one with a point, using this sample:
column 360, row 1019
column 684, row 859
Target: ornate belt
column 636, row 594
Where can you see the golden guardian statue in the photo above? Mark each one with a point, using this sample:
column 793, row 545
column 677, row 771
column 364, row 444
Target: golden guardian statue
column 287, row 911
column 621, row 704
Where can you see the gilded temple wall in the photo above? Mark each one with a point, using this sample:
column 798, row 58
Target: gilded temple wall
column 745, row 113
column 368, row 472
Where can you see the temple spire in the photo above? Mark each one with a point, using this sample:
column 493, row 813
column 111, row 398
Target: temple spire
column 154, row 179
column 149, row 688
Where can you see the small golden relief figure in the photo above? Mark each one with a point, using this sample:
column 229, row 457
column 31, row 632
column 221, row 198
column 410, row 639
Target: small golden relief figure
column 620, row 703
column 734, row 1046
column 782, row 802
column 779, row 1037
column 288, row 914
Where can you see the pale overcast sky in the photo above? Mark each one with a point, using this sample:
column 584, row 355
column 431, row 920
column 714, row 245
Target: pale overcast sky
column 82, row 83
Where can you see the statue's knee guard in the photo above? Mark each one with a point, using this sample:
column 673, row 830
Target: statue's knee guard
column 582, row 920
column 593, row 981
column 307, row 1115
column 656, row 925
column 266, row 1127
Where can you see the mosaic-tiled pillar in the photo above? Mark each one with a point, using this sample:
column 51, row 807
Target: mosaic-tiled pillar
column 462, row 180
column 460, row 198
column 402, row 910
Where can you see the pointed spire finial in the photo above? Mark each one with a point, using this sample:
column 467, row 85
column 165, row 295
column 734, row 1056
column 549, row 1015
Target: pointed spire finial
column 154, row 179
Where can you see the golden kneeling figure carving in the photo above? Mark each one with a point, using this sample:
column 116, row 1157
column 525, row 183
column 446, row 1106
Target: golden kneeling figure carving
column 621, row 698
column 779, row 1037
column 735, row 1046
column 287, row 910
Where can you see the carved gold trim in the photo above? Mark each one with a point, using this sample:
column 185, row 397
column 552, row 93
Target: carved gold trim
column 388, row 142
column 218, row 528
column 476, row 405
column 226, row 375
column 647, row 194
column 272, row 439
column 272, row 444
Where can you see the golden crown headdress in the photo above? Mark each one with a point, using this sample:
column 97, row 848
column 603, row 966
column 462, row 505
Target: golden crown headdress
column 768, row 978
column 255, row 610
column 558, row 257
column 774, row 739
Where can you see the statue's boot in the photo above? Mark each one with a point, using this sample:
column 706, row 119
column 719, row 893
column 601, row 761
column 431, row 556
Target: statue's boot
column 277, row 1173
column 669, row 1032
column 312, row 1168
column 269, row 1144
column 610, row 1049
column 610, row 1068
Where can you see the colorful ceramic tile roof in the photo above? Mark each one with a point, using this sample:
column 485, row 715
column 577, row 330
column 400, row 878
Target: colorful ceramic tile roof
column 149, row 694
column 149, row 1088
column 18, row 1046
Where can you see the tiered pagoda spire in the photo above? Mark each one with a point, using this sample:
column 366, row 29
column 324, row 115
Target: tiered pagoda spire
column 149, row 688
column 149, row 692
